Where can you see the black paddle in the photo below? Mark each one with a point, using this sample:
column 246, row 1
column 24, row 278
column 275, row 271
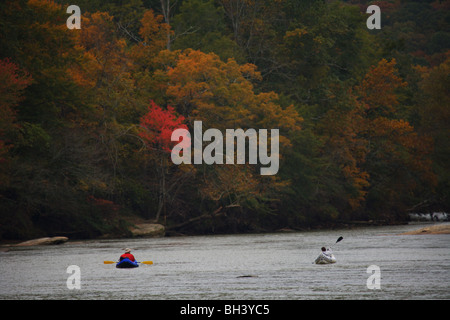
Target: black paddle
column 339, row 239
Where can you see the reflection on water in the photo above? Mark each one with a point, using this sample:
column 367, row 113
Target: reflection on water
column 262, row 266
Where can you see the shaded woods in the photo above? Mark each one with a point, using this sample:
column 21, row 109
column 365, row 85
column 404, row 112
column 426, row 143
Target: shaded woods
column 86, row 115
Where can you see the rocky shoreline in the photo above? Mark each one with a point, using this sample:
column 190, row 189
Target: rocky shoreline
column 142, row 230
column 148, row 230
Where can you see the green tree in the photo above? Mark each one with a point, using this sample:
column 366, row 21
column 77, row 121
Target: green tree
column 200, row 25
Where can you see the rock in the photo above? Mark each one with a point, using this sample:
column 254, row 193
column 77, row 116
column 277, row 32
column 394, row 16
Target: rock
column 43, row 241
column 148, row 230
column 420, row 216
column 435, row 216
column 439, row 216
column 435, row 229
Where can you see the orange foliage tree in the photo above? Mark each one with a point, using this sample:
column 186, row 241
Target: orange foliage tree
column 222, row 95
column 378, row 157
column 397, row 157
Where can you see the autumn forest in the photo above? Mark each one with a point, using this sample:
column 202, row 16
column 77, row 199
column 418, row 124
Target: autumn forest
column 86, row 115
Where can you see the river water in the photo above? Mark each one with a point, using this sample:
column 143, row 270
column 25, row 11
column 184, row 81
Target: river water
column 255, row 267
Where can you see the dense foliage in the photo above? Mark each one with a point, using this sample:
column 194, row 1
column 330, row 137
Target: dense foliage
column 86, row 115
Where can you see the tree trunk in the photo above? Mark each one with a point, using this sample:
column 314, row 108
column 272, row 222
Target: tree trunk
column 216, row 213
column 162, row 189
column 165, row 8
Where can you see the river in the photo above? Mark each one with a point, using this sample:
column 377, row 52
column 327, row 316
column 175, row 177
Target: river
column 256, row 267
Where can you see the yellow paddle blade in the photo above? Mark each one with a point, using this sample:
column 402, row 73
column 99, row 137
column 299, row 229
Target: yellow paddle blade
column 147, row 262
column 108, row 262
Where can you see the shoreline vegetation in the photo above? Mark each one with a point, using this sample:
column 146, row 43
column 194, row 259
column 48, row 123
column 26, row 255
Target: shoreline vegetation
column 87, row 116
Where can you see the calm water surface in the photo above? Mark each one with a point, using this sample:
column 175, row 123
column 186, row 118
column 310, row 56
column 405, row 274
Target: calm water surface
column 262, row 266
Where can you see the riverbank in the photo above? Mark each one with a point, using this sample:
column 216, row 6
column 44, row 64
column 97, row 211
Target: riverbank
column 137, row 227
column 131, row 227
column 434, row 229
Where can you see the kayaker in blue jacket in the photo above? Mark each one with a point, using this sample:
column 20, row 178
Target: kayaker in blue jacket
column 127, row 255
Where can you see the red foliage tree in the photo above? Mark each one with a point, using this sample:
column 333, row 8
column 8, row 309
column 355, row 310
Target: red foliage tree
column 158, row 125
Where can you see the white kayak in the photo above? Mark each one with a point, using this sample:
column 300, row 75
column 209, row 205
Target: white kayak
column 325, row 259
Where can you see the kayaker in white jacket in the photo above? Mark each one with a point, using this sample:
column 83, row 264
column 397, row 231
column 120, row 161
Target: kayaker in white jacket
column 326, row 251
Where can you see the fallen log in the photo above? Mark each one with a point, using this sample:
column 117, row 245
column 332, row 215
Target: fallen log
column 42, row 241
